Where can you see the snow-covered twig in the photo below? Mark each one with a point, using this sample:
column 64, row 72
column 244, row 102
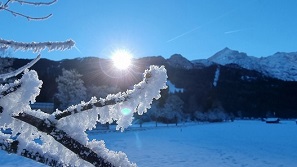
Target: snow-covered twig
column 62, row 137
column 5, row 7
column 20, row 70
column 9, row 89
column 37, row 46
column 26, row 16
column 36, row 3
column 148, row 79
column 90, row 105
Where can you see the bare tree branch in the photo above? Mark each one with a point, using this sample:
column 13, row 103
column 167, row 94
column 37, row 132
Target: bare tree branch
column 6, row 3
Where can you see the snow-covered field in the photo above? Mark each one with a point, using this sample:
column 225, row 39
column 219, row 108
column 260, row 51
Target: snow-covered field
column 239, row 143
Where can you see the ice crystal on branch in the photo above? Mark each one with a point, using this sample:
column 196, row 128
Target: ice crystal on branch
column 36, row 46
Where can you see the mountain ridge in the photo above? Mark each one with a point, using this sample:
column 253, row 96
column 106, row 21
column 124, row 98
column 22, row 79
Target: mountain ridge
column 240, row 91
column 281, row 65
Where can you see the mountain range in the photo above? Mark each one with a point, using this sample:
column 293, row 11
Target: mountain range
column 242, row 85
column 280, row 65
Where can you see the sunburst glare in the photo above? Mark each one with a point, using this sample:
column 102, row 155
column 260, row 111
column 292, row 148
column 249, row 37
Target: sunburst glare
column 121, row 59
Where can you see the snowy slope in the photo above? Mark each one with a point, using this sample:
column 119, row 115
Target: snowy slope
column 280, row 65
column 228, row 56
column 230, row 144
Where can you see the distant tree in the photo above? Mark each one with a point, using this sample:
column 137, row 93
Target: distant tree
column 214, row 114
column 5, row 62
column 171, row 112
column 71, row 89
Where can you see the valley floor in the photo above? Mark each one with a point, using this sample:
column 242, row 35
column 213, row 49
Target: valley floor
column 230, row 144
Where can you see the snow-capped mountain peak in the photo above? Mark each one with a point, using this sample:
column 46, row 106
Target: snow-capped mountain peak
column 179, row 61
column 280, row 65
column 228, row 56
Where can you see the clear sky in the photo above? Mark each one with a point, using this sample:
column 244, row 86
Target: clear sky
column 194, row 28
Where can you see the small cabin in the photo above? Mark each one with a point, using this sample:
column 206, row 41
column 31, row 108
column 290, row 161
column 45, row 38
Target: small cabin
column 272, row 120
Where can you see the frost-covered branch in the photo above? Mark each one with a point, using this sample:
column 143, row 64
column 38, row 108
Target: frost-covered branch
column 37, row 46
column 89, row 105
column 66, row 137
column 26, row 16
column 62, row 137
column 36, row 3
column 5, row 7
column 9, row 88
column 151, row 76
column 11, row 147
column 20, row 70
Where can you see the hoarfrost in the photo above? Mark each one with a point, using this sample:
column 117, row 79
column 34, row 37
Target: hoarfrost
column 16, row 98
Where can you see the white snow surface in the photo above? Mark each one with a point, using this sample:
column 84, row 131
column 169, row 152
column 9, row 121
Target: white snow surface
column 280, row 65
column 230, row 144
column 173, row 89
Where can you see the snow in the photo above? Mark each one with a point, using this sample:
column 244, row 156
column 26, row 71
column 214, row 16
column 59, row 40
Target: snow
column 230, row 144
column 216, row 77
column 173, row 89
column 228, row 56
column 281, row 65
column 239, row 143
column 200, row 63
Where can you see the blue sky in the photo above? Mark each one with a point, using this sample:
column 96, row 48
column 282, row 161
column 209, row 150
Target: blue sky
column 194, row 28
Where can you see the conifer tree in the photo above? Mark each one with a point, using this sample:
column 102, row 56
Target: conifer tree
column 71, row 89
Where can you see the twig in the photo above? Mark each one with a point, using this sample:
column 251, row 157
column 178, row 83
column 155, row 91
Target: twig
column 27, row 16
column 36, row 3
column 15, row 13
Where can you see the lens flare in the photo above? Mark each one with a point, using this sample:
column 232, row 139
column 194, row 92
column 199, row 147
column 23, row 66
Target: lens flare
column 126, row 111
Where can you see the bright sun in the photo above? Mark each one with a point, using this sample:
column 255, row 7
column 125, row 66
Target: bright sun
column 121, row 59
